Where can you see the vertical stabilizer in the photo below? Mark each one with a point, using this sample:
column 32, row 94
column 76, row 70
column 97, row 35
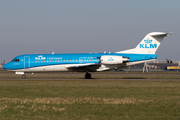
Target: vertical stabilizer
column 149, row 44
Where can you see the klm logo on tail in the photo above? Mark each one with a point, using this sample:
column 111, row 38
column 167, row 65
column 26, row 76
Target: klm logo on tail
column 148, row 44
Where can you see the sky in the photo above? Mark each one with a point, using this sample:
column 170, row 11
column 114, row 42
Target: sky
column 83, row 26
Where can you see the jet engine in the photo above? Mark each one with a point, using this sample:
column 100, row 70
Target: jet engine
column 107, row 59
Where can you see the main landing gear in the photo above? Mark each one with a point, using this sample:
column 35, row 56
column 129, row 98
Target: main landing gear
column 23, row 76
column 88, row 75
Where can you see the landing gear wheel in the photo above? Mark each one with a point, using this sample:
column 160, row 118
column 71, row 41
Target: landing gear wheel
column 23, row 76
column 88, row 76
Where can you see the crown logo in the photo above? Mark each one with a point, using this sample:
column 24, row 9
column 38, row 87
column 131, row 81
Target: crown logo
column 148, row 41
column 40, row 57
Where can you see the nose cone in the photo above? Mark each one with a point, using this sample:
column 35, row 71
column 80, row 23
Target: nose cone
column 7, row 66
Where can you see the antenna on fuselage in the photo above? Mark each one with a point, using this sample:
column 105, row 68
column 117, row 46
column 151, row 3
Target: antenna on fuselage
column 53, row 53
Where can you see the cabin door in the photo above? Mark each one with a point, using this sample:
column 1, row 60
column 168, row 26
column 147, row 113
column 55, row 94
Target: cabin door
column 26, row 62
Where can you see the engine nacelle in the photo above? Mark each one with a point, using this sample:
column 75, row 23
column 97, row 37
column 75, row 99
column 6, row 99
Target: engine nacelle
column 107, row 59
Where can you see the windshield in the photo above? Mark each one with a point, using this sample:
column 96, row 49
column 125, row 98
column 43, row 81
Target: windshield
column 15, row 60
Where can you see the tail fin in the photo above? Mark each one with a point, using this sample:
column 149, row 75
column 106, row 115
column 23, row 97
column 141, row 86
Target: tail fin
column 149, row 44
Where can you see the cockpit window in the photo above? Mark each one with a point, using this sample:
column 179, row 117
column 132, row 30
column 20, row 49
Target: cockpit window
column 15, row 60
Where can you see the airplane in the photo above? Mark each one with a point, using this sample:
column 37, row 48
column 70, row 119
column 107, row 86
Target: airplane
column 88, row 62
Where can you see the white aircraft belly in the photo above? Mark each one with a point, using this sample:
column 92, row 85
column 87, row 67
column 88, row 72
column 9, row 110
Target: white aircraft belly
column 45, row 68
column 48, row 68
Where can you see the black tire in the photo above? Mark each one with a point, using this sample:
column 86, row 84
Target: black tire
column 23, row 76
column 88, row 76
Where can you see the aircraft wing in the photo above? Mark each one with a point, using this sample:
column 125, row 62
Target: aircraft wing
column 91, row 67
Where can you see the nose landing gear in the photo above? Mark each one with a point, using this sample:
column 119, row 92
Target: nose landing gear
column 88, row 75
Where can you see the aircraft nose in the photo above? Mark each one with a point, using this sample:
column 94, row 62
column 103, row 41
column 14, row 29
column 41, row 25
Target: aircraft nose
column 6, row 66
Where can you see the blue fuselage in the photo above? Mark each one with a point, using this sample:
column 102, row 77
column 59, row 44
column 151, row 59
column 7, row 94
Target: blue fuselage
column 43, row 60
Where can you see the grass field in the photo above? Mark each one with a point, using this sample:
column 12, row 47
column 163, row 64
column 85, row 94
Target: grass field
column 89, row 100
